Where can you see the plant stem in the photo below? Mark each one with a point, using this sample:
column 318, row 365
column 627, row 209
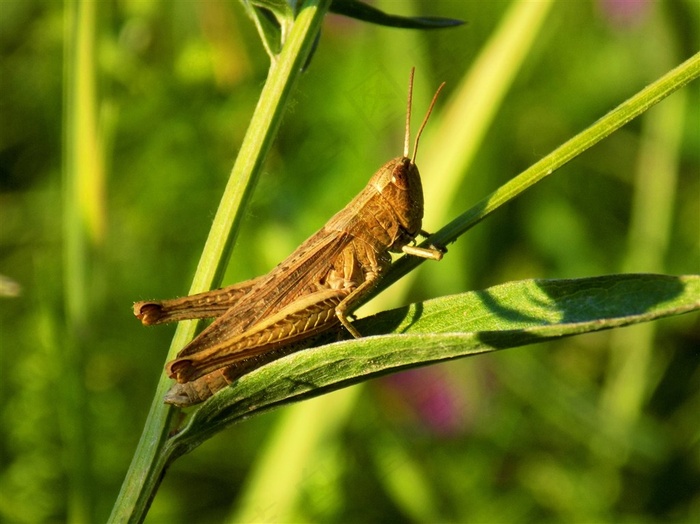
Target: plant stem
column 149, row 462
column 614, row 120
column 83, row 225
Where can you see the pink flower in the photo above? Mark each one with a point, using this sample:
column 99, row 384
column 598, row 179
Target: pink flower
column 624, row 13
column 430, row 397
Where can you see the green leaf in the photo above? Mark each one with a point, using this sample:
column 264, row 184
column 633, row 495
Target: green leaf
column 280, row 8
column 273, row 20
column 504, row 316
column 602, row 128
column 366, row 13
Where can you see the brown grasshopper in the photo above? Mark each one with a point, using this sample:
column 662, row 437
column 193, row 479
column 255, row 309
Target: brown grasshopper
column 310, row 293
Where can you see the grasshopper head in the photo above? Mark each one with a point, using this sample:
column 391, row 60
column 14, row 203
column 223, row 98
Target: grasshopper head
column 400, row 186
column 399, row 182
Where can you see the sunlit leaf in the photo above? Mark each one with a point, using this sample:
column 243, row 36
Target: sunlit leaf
column 505, row 316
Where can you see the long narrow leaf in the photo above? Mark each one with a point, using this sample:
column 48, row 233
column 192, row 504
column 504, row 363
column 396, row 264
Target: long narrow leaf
column 367, row 13
column 504, row 316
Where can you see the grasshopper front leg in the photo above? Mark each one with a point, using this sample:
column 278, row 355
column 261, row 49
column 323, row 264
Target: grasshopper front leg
column 432, row 252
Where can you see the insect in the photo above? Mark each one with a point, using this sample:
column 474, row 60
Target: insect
column 311, row 292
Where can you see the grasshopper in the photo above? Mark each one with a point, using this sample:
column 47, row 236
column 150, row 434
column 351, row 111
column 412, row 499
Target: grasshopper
column 311, row 292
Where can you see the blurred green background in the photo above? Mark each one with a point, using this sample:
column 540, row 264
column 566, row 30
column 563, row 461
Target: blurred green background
column 598, row 428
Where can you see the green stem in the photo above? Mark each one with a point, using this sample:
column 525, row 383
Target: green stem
column 614, row 120
column 83, row 216
column 149, row 462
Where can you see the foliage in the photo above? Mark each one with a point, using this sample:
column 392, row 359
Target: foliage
column 600, row 427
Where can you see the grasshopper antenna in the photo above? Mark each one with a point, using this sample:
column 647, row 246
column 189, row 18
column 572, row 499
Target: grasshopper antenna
column 407, row 136
column 425, row 119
